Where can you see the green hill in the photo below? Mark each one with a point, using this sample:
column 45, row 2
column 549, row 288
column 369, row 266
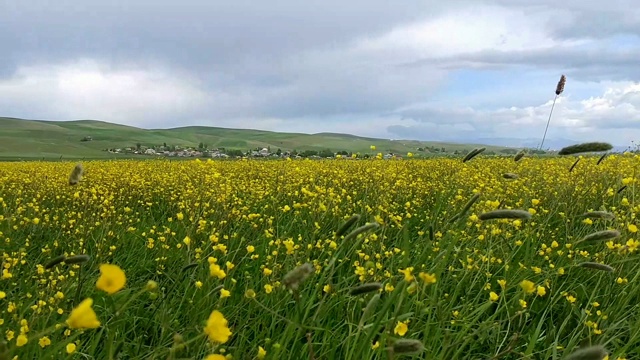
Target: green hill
column 30, row 139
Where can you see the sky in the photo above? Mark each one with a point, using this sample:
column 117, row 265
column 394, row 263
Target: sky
column 457, row 70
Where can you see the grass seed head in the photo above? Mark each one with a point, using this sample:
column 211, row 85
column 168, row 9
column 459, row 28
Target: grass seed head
column 76, row 175
column 585, row 147
column 601, row 236
column 77, row 259
column 602, row 215
column 511, row 176
column 407, row 347
column 574, row 165
column 560, row 86
column 596, row 266
column 55, row 261
column 365, row 288
column 519, row 156
column 362, row 229
column 371, row 306
column 294, row 278
column 347, row 225
column 602, row 158
column 473, row 153
column 505, row 214
column 596, row 352
column 466, row 207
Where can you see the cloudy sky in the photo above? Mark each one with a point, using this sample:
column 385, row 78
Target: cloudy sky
column 457, row 70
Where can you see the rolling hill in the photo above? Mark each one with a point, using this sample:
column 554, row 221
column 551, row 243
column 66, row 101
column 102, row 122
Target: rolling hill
column 25, row 139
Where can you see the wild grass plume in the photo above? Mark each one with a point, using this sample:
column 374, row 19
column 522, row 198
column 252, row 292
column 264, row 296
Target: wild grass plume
column 347, row 225
column 596, row 266
column 505, row 214
column 365, row 288
column 473, row 153
column 519, row 155
column 585, row 147
column 559, row 90
column 601, row 159
column 294, row 278
column 466, row 207
column 602, row 215
column 601, row 236
column 76, row 174
column 596, row 352
column 574, row 165
column 407, row 347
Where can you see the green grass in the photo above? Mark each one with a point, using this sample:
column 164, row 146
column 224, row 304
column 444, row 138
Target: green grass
column 33, row 139
column 137, row 214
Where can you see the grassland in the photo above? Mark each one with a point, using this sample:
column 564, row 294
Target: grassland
column 32, row 139
column 208, row 248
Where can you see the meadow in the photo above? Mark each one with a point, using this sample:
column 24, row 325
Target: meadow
column 330, row 259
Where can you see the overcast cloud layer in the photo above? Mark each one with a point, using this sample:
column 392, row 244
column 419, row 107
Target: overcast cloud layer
column 430, row 70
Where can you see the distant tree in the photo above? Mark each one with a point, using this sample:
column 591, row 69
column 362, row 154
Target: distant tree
column 326, row 153
column 234, row 152
column 138, row 146
column 201, row 145
column 279, row 152
column 420, row 149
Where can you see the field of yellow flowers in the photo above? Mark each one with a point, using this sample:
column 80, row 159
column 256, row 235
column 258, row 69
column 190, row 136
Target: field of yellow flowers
column 330, row 259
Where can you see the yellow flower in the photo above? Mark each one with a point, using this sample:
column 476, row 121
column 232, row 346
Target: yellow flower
column 187, row 240
column 372, row 147
column 83, row 316
column 407, row 274
column 493, row 296
column 71, row 348
column 268, row 288
column 250, row 294
column 528, row 286
column 215, row 357
column 401, row 328
column 224, row 293
column 522, row 303
column 216, row 271
column 198, row 284
column 111, row 279
column 250, row 249
column 632, row 228
column 376, row 345
column 261, row 352
column 541, row 291
column 326, row 288
column 44, row 342
column 217, row 328
column 428, row 278
column 3, row 295
column 22, row 340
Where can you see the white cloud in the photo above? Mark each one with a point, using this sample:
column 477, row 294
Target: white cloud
column 476, row 28
column 614, row 113
column 87, row 89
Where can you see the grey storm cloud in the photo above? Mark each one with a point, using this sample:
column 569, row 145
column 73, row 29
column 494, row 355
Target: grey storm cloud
column 280, row 64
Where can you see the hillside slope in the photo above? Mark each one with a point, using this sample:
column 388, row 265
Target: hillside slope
column 51, row 139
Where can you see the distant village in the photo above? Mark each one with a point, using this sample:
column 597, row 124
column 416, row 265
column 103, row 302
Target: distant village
column 203, row 151
column 221, row 153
